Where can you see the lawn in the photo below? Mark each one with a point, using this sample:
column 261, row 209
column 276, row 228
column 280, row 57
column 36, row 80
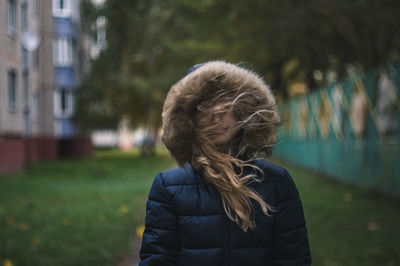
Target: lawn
column 75, row 212
column 86, row 213
column 348, row 226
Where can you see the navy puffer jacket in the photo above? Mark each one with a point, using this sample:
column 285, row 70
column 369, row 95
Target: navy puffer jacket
column 186, row 223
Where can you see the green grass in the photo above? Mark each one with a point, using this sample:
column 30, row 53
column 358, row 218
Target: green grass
column 75, row 212
column 348, row 226
column 86, row 213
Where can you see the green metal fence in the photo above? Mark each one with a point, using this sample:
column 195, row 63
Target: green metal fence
column 349, row 130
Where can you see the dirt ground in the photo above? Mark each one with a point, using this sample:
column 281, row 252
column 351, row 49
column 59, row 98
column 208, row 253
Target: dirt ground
column 133, row 258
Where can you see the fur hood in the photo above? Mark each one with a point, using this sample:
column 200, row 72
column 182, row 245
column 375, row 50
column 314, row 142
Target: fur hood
column 199, row 85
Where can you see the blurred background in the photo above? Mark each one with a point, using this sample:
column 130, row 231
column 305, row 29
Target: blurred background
column 82, row 84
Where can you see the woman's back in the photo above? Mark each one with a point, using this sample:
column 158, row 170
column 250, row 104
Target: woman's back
column 186, row 223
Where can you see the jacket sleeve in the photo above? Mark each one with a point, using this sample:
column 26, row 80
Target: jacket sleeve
column 290, row 242
column 160, row 242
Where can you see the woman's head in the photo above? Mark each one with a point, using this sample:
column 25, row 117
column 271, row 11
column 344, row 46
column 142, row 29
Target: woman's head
column 209, row 91
column 217, row 124
column 217, row 117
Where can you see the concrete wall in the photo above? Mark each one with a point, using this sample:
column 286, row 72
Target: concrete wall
column 46, row 70
column 11, row 120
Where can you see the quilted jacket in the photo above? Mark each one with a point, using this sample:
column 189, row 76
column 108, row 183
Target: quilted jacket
column 186, row 224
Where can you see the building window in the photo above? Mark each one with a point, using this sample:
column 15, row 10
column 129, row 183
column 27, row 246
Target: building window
column 25, row 87
column 63, row 52
column 35, row 7
column 35, row 59
column 12, row 90
column 99, row 38
column 101, row 30
column 62, row 8
column 63, row 103
column 24, row 16
column 35, row 106
column 11, row 17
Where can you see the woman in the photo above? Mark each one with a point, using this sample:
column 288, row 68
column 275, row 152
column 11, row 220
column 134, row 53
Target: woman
column 222, row 206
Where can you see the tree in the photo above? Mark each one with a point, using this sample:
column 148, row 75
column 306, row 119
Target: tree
column 151, row 44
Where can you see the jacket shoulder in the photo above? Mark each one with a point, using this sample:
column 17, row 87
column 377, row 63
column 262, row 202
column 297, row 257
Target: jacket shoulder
column 184, row 175
column 284, row 183
column 271, row 171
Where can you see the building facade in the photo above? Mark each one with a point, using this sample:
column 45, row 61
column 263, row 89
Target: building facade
column 42, row 59
column 70, row 61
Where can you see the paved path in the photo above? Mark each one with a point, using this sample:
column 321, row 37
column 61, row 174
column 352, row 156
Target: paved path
column 133, row 258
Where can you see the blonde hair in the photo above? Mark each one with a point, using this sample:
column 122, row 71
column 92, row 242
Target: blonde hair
column 221, row 165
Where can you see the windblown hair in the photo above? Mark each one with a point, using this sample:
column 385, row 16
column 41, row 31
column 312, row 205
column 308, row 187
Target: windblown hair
column 219, row 86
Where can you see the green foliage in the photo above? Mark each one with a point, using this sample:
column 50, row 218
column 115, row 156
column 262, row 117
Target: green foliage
column 151, row 44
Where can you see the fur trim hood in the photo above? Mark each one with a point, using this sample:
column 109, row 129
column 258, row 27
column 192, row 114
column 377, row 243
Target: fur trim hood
column 198, row 85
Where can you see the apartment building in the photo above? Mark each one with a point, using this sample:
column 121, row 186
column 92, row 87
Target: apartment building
column 70, row 60
column 43, row 57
